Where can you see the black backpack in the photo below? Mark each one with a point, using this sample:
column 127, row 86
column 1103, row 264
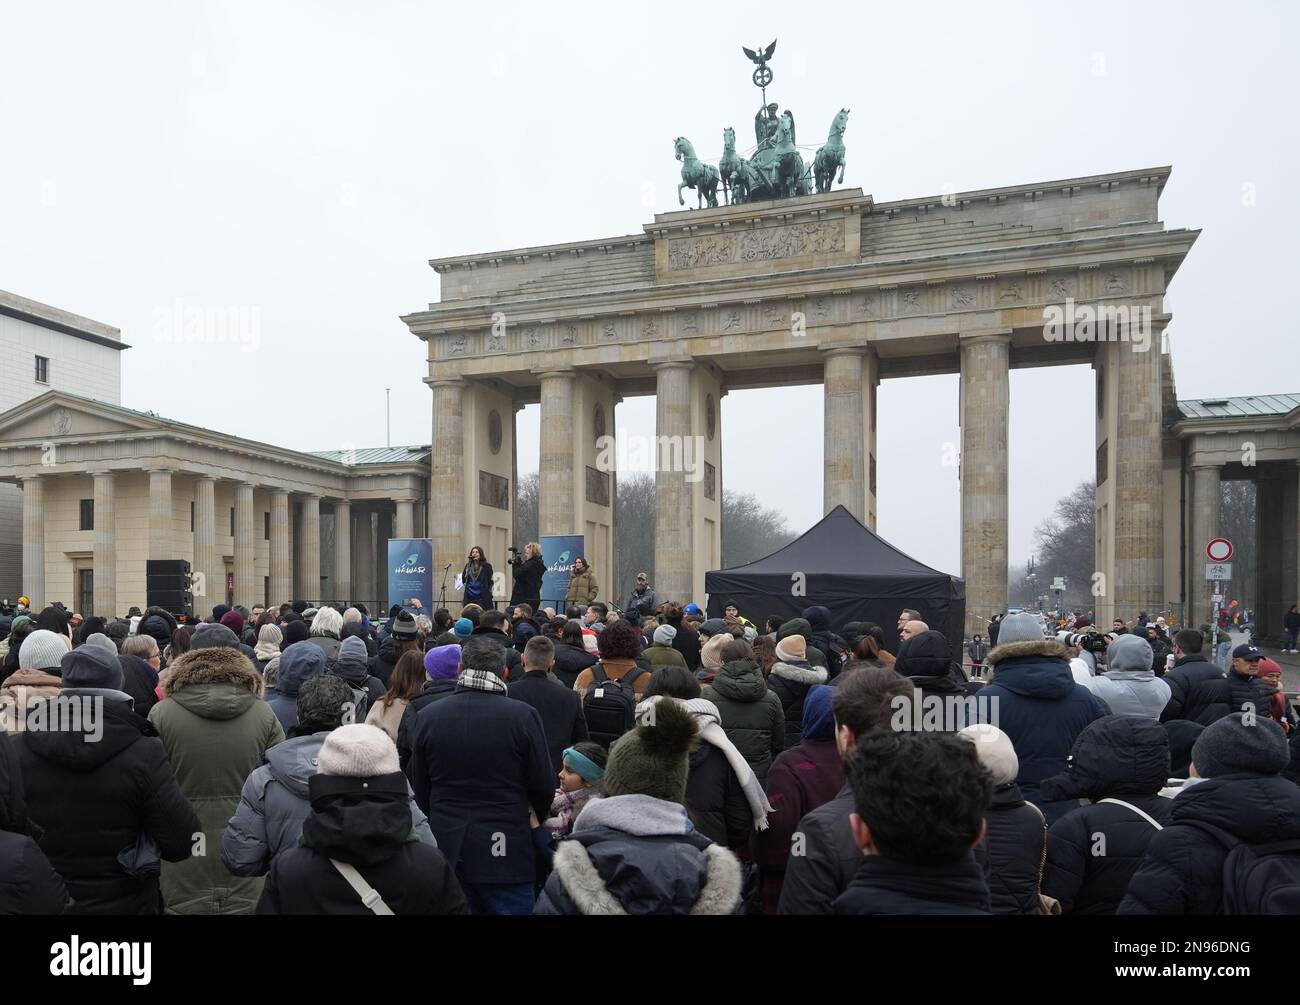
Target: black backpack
column 610, row 705
column 1258, row 879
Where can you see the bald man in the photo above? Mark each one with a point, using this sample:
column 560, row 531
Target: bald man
column 914, row 628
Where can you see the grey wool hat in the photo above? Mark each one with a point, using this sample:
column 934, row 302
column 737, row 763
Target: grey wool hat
column 1235, row 744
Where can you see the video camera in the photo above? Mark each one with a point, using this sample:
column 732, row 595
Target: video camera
column 515, row 558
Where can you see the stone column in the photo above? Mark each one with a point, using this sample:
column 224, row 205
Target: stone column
column 247, row 588
column 404, row 526
column 343, row 550
column 364, row 563
column 207, row 564
column 105, row 597
column 161, row 546
column 844, row 478
column 556, row 467
column 1139, row 487
column 674, row 559
column 447, row 475
column 1205, row 527
column 281, row 579
column 383, row 532
column 309, row 550
column 34, row 541
column 985, row 408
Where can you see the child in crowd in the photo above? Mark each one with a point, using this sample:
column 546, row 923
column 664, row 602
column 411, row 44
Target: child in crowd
column 584, row 765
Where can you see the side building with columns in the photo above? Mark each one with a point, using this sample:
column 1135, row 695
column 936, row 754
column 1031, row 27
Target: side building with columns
column 1216, row 440
column 105, row 488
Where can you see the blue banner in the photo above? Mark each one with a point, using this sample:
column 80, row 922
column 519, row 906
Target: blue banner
column 410, row 572
column 559, row 553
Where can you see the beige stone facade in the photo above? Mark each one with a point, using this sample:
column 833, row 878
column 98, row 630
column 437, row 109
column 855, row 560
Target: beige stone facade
column 105, row 489
column 833, row 289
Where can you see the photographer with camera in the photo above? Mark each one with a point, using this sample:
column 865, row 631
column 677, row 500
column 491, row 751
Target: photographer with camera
column 529, row 570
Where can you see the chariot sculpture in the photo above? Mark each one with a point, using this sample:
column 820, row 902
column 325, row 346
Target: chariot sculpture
column 775, row 169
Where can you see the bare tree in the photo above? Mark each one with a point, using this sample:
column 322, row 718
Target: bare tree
column 1066, row 546
column 1237, row 524
column 750, row 530
column 526, row 509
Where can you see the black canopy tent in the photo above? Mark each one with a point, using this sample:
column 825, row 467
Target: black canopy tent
column 841, row 565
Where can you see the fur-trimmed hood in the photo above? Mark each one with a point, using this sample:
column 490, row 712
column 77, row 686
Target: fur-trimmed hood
column 1047, row 647
column 719, row 892
column 799, row 674
column 212, row 666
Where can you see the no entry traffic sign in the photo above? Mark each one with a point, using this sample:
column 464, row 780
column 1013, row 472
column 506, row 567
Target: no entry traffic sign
column 1219, row 550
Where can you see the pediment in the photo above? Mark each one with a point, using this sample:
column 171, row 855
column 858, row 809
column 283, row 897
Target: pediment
column 55, row 417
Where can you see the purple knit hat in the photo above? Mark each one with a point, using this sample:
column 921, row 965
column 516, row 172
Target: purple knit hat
column 442, row 663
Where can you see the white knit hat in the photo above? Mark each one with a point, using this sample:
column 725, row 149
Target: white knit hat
column 43, row 650
column 358, row 751
column 995, row 751
column 665, row 634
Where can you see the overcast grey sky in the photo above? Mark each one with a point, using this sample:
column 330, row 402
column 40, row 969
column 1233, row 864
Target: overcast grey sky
column 303, row 161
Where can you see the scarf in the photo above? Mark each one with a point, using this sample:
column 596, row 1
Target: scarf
column 481, row 680
column 709, row 722
column 565, row 808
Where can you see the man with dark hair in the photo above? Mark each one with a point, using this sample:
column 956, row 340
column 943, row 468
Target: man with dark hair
column 828, row 857
column 479, row 763
column 559, row 706
column 596, row 616
column 918, row 809
column 492, row 625
column 525, row 627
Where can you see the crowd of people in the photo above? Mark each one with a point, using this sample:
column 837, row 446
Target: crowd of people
column 646, row 760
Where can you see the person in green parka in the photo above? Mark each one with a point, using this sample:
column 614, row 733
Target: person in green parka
column 215, row 727
column 752, row 716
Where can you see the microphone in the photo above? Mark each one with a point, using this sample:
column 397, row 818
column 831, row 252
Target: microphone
column 446, row 567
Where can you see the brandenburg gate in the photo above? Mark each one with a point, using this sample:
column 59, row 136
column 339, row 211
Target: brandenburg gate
column 827, row 288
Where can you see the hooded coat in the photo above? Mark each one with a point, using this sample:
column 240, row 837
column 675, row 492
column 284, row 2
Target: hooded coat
column 1042, row 710
column 1182, row 872
column 28, row 883
column 140, row 681
column 687, row 642
column 95, row 800
column 926, row 659
column 1129, row 686
column 216, row 730
column 365, row 822
column 804, row 777
column 298, row 663
column 1012, row 852
column 752, row 716
column 274, row 803
column 353, row 665
column 385, row 659
column 635, row 854
column 1117, row 757
column 583, row 588
column 791, row 682
column 823, row 639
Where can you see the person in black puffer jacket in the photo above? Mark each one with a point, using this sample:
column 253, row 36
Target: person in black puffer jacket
column 571, row 657
column 1243, row 800
column 791, row 678
column 361, row 816
column 28, row 884
column 1016, row 836
column 1119, row 765
column 96, row 799
column 926, row 660
column 1209, row 697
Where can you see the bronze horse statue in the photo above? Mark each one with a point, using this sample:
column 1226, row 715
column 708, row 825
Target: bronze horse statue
column 695, row 174
column 730, row 167
column 831, row 156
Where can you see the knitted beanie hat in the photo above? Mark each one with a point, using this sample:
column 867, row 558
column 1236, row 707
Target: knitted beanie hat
column 43, row 650
column 358, row 751
column 665, row 634
column 91, row 666
column 711, row 653
column 792, row 647
column 464, row 628
column 214, row 637
column 103, row 642
column 1233, row 744
column 442, row 662
column 653, row 758
column 403, row 626
column 1019, row 628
